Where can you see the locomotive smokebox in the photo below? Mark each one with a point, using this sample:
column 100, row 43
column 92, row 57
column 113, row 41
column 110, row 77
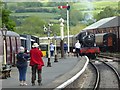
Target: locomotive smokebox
column 88, row 40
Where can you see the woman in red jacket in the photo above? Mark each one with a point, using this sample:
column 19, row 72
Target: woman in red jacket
column 36, row 63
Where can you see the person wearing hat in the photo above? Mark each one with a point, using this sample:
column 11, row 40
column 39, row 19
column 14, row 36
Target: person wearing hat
column 36, row 63
column 22, row 65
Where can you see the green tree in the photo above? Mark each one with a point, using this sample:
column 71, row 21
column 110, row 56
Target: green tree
column 12, row 7
column 119, row 7
column 10, row 24
column 75, row 17
column 32, row 25
column 55, row 29
column 107, row 12
column 0, row 14
column 55, row 4
column 30, row 4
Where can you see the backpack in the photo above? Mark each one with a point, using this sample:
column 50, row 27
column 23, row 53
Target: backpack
column 21, row 60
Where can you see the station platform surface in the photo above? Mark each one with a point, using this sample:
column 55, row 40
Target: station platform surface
column 52, row 77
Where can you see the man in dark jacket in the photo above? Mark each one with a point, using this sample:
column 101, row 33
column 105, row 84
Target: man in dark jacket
column 36, row 63
column 65, row 47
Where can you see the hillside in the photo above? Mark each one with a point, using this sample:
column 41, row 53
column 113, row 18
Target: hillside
column 55, row 0
column 50, row 12
column 47, row 12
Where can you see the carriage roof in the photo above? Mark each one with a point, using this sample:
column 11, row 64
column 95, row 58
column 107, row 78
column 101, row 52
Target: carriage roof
column 11, row 33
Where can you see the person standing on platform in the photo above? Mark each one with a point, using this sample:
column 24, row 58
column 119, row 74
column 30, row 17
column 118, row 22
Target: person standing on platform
column 65, row 47
column 51, row 49
column 77, row 48
column 22, row 66
column 36, row 62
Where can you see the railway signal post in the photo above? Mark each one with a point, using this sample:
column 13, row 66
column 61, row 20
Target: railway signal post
column 68, row 8
column 62, row 36
column 48, row 30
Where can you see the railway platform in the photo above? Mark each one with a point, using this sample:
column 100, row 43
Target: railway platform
column 52, row 77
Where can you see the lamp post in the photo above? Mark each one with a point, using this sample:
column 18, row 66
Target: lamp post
column 62, row 36
column 55, row 50
column 48, row 30
column 4, row 32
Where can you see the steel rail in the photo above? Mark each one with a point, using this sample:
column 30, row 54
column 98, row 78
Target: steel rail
column 115, row 71
column 96, row 85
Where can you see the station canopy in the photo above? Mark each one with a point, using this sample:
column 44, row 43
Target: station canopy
column 105, row 23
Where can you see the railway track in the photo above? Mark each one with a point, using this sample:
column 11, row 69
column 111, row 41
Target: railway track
column 111, row 54
column 96, row 85
column 115, row 71
column 115, row 58
column 100, row 75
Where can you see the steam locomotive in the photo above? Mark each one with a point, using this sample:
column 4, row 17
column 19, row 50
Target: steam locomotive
column 88, row 45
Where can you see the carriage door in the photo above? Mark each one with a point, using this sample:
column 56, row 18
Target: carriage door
column 18, row 43
column 110, row 43
column 8, row 50
column 14, row 51
column 13, row 44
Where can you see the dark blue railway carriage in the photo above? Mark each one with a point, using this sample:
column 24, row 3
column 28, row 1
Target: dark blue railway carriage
column 28, row 40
